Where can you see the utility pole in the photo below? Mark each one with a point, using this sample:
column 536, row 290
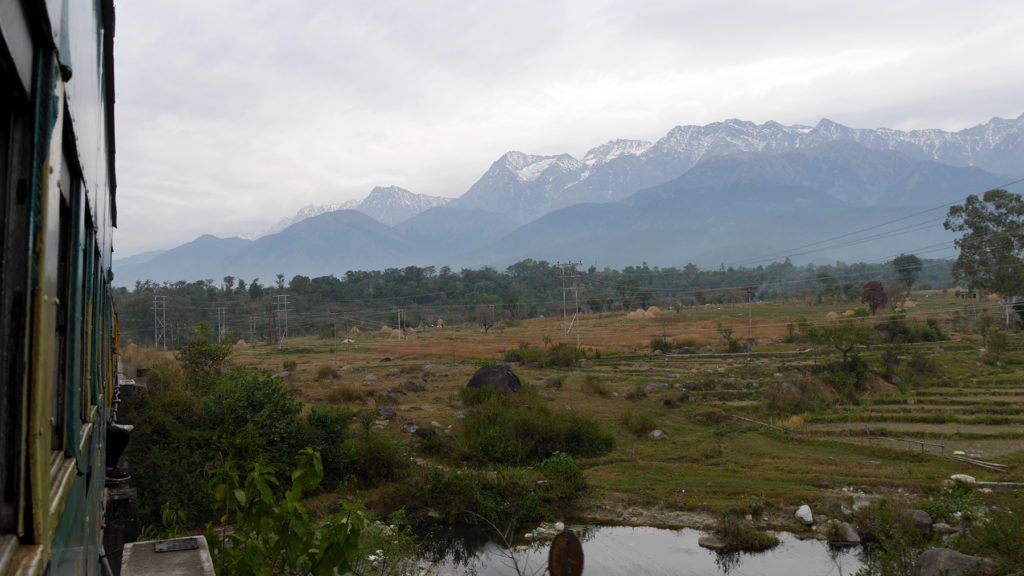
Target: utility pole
column 159, row 321
column 221, row 323
column 281, row 317
column 569, row 274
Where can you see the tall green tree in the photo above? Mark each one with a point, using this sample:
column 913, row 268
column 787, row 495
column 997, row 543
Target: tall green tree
column 992, row 244
column 907, row 267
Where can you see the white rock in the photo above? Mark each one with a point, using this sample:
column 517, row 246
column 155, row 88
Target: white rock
column 963, row 478
column 803, row 514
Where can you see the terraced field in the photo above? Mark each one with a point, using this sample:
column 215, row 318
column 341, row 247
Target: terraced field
column 760, row 429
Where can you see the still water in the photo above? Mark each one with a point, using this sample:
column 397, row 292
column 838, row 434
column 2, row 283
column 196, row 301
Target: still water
column 644, row 551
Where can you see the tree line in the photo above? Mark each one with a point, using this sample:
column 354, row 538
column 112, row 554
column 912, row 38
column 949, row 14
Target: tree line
column 427, row 296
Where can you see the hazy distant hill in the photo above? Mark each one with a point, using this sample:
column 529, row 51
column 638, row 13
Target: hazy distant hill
column 389, row 205
column 723, row 192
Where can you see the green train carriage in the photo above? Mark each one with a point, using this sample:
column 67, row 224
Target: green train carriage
column 57, row 324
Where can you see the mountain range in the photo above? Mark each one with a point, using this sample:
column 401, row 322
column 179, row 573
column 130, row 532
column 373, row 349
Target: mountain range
column 728, row 192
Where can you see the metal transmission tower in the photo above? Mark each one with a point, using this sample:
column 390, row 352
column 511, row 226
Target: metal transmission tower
column 281, row 317
column 570, row 276
column 160, row 321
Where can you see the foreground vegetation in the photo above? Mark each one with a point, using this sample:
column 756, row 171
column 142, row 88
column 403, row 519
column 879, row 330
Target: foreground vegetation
column 803, row 408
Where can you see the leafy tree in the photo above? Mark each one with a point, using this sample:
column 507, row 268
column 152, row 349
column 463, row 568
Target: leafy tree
column 255, row 289
column 897, row 294
column 202, row 360
column 844, row 336
column 272, row 536
column 873, row 294
column 907, row 267
column 992, row 244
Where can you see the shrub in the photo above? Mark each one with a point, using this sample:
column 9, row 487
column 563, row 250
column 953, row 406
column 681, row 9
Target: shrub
column 740, row 536
column 662, row 345
column 516, row 432
column 592, row 385
column 371, row 458
column 326, row 429
column 327, row 372
column 893, row 542
column 477, row 498
column 638, row 423
column 345, row 393
column 563, row 356
column 637, row 392
column 289, row 365
column 959, row 499
column 524, row 354
column 202, row 360
column 271, row 536
column 1000, row 537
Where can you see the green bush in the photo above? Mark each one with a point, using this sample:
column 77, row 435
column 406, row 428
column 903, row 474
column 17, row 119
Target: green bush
column 638, row 423
column 740, row 536
column 326, row 429
column 1000, row 537
column 892, row 542
column 662, row 345
column 371, row 458
column 269, row 535
column 481, row 498
column 327, row 372
column 959, row 499
column 519, row 430
column 592, row 385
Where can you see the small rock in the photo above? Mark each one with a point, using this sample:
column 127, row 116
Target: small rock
column 803, row 514
column 861, row 501
column 425, row 433
column 387, row 412
column 963, row 478
column 846, row 533
column 655, row 387
column 657, row 435
column 943, row 528
column 409, row 427
column 711, row 542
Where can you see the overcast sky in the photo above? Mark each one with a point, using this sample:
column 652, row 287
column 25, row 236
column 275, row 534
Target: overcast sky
column 233, row 114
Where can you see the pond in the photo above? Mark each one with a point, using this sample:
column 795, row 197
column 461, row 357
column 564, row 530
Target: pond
column 645, row 551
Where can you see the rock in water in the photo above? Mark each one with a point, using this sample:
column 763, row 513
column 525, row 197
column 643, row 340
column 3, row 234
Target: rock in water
column 711, row 542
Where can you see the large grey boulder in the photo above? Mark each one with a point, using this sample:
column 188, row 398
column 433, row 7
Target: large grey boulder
column 946, row 562
column 920, row 519
column 498, row 376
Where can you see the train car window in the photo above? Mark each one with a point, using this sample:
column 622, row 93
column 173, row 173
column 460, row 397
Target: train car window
column 61, row 352
column 15, row 160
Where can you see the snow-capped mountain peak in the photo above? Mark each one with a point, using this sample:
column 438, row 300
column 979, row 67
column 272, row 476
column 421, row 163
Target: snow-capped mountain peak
column 613, row 149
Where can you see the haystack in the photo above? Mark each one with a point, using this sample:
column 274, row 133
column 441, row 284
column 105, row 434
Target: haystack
column 385, row 330
column 831, row 315
column 355, row 331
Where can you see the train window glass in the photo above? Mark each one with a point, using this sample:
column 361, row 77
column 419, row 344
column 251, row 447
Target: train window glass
column 7, row 387
column 15, row 137
column 61, row 352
